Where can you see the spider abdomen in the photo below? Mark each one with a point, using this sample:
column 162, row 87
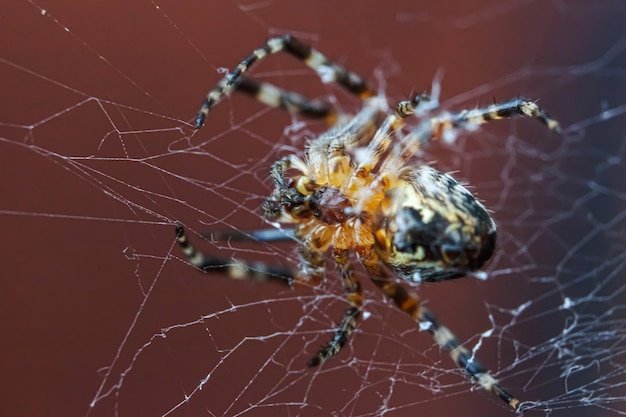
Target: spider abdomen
column 434, row 229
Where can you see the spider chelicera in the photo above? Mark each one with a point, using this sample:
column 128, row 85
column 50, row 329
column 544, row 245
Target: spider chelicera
column 358, row 192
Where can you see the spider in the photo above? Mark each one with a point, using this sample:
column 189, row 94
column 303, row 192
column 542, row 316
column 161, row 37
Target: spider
column 357, row 194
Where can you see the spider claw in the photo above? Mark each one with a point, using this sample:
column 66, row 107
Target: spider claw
column 321, row 356
column 314, row 361
column 200, row 119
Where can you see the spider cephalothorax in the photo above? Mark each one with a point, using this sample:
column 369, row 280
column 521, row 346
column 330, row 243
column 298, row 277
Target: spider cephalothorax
column 331, row 206
column 359, row 191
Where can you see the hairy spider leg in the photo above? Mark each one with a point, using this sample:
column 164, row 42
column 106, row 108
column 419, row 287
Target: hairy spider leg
column 382, row 138
column 273, row 96
column 408, row 107
column 257, row 271
column 512, row 108
column 326, row 70
column 376, row 147
column 280, row 167
column 311, row 272
column 354, row 295
column 467, row 119
column 411, row 304
column 312, row 267
column 445, row 339
column 261, row 235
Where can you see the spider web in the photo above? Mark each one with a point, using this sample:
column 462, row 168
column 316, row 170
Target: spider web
column 101, row 315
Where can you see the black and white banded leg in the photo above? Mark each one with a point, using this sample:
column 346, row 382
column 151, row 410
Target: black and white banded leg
column 464, row 359
column 326, row 70
column 236, row 269
column 512, row 108
column 311, row 272
column 292, row 102
column 354, row 295
column 440, row 126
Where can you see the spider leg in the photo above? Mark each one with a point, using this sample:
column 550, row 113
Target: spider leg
column 311, row 272
column 262, row 235
column 411, row 304
column 348, row 323
column 331, row 156
column 311, row 269
column 311, row 265
column 257, row 271
column 377, row 146
column 387, row 130
column 273, row 96
column 326, row 69
column 280, row 167
column 439, row 126
column 512, row 108
column 408, row 107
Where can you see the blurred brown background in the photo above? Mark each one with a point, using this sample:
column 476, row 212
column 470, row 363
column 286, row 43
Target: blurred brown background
column 100, row 316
